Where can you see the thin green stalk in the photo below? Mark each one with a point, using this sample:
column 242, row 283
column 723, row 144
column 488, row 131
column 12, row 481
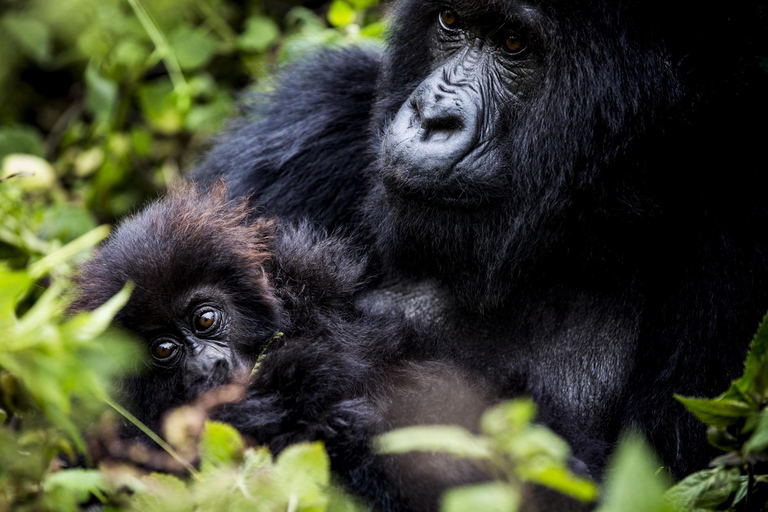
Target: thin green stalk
column 175, row 73
column 141, row 426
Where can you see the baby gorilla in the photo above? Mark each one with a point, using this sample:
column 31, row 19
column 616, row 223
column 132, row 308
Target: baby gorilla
column 214, row 287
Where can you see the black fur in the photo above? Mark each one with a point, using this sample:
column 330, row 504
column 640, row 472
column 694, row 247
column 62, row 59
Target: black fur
column 336, row 374
column 622, row 259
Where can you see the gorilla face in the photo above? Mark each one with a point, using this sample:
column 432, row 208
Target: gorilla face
column 445, row 132
column 496, row 118
column 202, row 303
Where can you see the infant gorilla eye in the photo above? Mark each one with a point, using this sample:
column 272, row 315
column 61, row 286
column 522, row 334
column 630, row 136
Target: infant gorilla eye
column 205, row 319
column 448, row 20
column 163, row 350
column 514, row 44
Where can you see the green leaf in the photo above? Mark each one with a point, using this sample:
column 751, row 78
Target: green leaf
column 755, row 378
column 56, row 258
column 65, row 222
column 303, row 473
column 434, row 438
column 309, row 459
column 13, row 287
column 758, row 441
column 160, row 105
column 492, row 497
column 162, row 493
column 194, row 47
column 220, row 445
column 130, row 53
column 508, row 417
column 718, row 412
column 632, row 485
column 88, row 326
column 100, row 94
column 361, row 5
column 341, row 13
column 705, row 489
column 20, row 139
column 260, row 33
column 72, row 487
column 375, row 30
column 32, row 35
column 565, row 482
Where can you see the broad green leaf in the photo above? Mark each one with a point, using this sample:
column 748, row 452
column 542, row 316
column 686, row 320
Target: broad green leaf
column 340, row 501
column 85, row 327
column 565, row 482
column 303, row 472
column 375, row 30
column 256, row 459
column 705, row 489
column 434, row 438
column 160, row 105
column 508, row 417
column 755, row 378
column 361, row 5
column 758, row 441
column 718, row 412
column 72, row 487
column 260, row 33
column 341, row 14
column 162, row 493
column 632, row 483
column 62, row 255
column 100, row 94
column 32, row 35
column 130, row 53
column 13, row 287
column 306, row 458
column 220, row 445
column 20, row 139
column 492, row 497
column 194, row 47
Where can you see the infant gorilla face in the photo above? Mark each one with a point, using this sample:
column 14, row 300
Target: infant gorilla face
column 202, row 302
column 198, row 342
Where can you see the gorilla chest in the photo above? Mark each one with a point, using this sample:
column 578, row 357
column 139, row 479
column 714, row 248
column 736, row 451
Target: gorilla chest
column 571, row 350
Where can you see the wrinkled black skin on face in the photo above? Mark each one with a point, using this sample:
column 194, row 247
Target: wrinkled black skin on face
column 605, row 250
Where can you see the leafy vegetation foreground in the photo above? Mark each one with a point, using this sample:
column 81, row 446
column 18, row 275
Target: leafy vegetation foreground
column 101, row 104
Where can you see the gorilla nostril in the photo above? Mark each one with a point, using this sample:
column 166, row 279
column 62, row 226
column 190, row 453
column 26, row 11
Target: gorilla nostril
column 445, row 125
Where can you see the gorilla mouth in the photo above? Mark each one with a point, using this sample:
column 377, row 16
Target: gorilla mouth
column 440, row 197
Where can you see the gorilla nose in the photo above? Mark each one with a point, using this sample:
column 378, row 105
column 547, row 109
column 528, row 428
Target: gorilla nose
column 439, row 121
column 434, row 129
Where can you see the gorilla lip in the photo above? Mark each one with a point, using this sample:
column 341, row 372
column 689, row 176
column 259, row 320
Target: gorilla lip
column 449, row 198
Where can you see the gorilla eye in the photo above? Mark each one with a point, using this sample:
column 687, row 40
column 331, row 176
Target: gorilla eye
column 448, row 20
column 205, row 319
column 514, row 45
column 163, row 350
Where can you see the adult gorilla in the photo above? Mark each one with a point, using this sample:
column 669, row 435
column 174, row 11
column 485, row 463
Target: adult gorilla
column 568, row 190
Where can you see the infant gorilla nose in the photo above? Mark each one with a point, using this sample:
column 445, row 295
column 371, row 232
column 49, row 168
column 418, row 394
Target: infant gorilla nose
column 207, row 371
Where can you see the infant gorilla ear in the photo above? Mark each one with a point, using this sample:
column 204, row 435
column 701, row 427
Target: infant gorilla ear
column 202, row 302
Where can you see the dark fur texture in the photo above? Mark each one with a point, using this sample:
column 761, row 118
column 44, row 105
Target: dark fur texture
column 336, row 375
column 623, row 260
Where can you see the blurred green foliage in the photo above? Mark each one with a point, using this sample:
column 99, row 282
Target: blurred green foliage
column 103, row 103
column 118, row 96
